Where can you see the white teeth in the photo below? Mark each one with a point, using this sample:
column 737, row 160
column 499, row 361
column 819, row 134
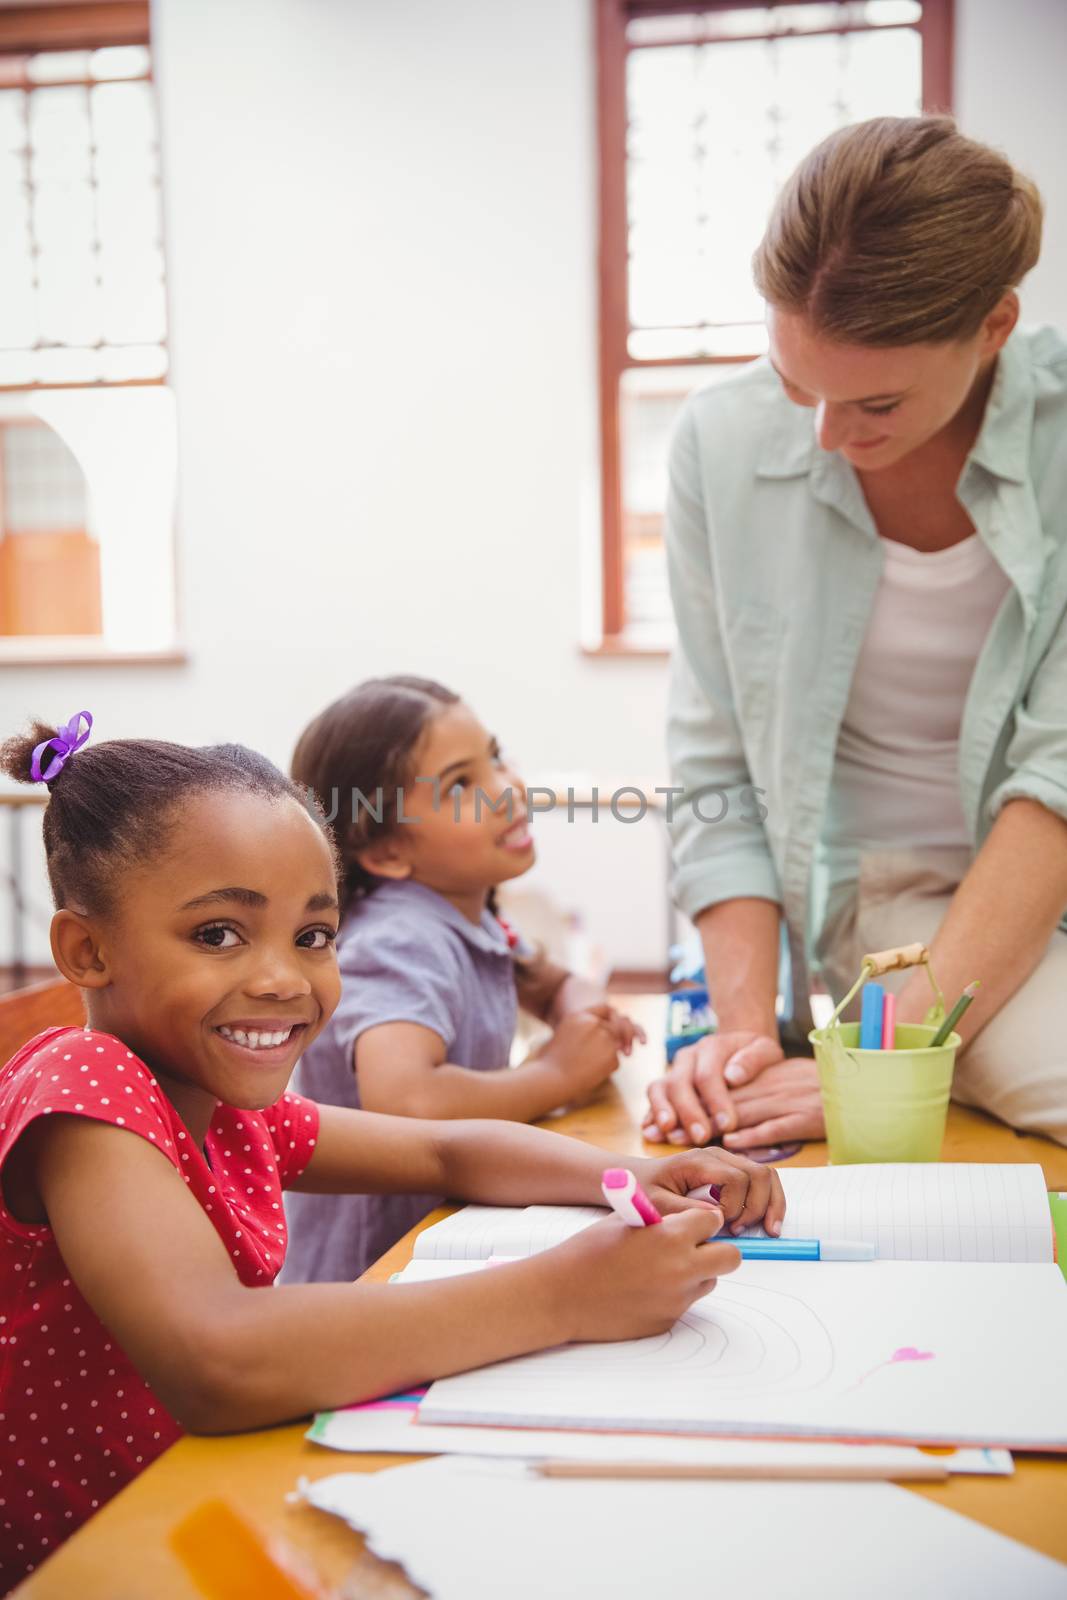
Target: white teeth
column 256, row 1039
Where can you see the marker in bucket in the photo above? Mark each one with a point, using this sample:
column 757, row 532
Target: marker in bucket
column 871, row 1016
column 889, row 1023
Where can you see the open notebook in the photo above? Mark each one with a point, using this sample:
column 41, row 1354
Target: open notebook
column 921, row 1212
column 957, row 1334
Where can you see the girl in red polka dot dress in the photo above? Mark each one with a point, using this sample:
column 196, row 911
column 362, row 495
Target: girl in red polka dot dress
column 143, row 1156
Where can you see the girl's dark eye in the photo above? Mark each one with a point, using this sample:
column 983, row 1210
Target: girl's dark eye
column 316, row 938
column 460, row 783
column 217, row 936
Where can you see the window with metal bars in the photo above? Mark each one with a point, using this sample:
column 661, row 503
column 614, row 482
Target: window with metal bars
column 703, row 111
column 81, row 264
column 86, row 421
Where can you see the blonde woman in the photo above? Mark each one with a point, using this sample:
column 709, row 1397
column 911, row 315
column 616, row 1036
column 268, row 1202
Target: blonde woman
column 867, row 537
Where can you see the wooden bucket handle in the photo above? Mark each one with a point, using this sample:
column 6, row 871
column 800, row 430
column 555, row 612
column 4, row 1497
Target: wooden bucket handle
column 879, row 961
column 903, row 955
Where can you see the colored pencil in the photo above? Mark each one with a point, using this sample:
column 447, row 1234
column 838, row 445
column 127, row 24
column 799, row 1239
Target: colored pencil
column 954, row 1016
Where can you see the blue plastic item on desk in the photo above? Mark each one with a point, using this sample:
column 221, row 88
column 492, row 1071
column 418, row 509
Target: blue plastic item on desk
column 689, row 1017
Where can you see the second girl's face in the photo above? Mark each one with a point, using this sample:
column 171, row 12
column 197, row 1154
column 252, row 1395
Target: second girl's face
column 220, row 954
column 874, row 406
column 469, row 829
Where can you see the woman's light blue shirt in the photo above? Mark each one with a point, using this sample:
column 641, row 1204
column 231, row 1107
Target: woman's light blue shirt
column 774, row 560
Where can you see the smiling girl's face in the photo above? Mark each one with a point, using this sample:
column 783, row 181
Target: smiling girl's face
column 467, row 827
column 877, row 405
column 217, row 963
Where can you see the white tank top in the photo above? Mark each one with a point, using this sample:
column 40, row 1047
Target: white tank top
column 896, row 770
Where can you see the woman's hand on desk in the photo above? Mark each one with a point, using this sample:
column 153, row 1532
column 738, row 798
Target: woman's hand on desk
column 693, row 1101
column 738, row 1086
column 779, row 1107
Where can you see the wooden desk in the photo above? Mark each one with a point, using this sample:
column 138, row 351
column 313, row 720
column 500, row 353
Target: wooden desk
column 122, row 1554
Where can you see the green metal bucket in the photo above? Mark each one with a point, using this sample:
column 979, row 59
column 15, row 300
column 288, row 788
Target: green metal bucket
column 884, row 1105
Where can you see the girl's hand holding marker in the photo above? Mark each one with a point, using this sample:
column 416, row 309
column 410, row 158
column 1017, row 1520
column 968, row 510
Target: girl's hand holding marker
column 624, row 1281
column 628, row 1200
column 729, row 1191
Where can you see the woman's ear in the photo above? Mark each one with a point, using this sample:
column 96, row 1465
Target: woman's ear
column 385, row 858
column 1000, row 322
column 76, row 950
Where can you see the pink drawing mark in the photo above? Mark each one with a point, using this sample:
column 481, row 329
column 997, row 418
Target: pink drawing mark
column 907, row 1352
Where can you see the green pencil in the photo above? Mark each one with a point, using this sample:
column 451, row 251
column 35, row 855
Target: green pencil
column 953, row 1017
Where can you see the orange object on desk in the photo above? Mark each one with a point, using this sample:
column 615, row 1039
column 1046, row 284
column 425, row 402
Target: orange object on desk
column 227, row 1559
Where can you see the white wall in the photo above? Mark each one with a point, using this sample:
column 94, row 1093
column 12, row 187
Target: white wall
column 381, row 251
column 381, row 248
column 1011, row 60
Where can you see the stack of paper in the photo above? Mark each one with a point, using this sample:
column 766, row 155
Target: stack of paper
column 392, row 1427
column 475, row 1530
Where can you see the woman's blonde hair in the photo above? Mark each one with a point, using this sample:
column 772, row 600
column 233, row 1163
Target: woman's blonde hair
column 899, row 231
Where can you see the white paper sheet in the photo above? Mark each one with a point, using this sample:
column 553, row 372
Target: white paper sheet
column 919, row 1352
column 910, row 1212
column 480, row 1231
column 474, row 1530
column 924, row 1212
column 392, row 1427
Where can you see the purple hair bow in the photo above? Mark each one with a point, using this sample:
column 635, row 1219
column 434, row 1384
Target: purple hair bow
column 65, row 741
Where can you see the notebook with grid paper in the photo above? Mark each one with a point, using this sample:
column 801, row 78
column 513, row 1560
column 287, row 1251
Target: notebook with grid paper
column 956, row 1334
column 909, row 1212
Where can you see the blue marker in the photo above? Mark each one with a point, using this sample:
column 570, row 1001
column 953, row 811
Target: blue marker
column 871, row 1016
column 799, row 1249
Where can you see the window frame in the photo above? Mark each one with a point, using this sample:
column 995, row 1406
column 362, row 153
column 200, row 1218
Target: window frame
column 81, row 25
column 936, row 31
column 26, row 30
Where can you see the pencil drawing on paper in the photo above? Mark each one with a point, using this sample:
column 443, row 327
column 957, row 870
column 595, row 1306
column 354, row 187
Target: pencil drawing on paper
column 741, row 1341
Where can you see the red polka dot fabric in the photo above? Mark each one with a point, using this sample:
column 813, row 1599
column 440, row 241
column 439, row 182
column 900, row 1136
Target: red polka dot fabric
column 76, row 1420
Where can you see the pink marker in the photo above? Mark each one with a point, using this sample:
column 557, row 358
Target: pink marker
column 627, row 1199
column 889, row 1022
